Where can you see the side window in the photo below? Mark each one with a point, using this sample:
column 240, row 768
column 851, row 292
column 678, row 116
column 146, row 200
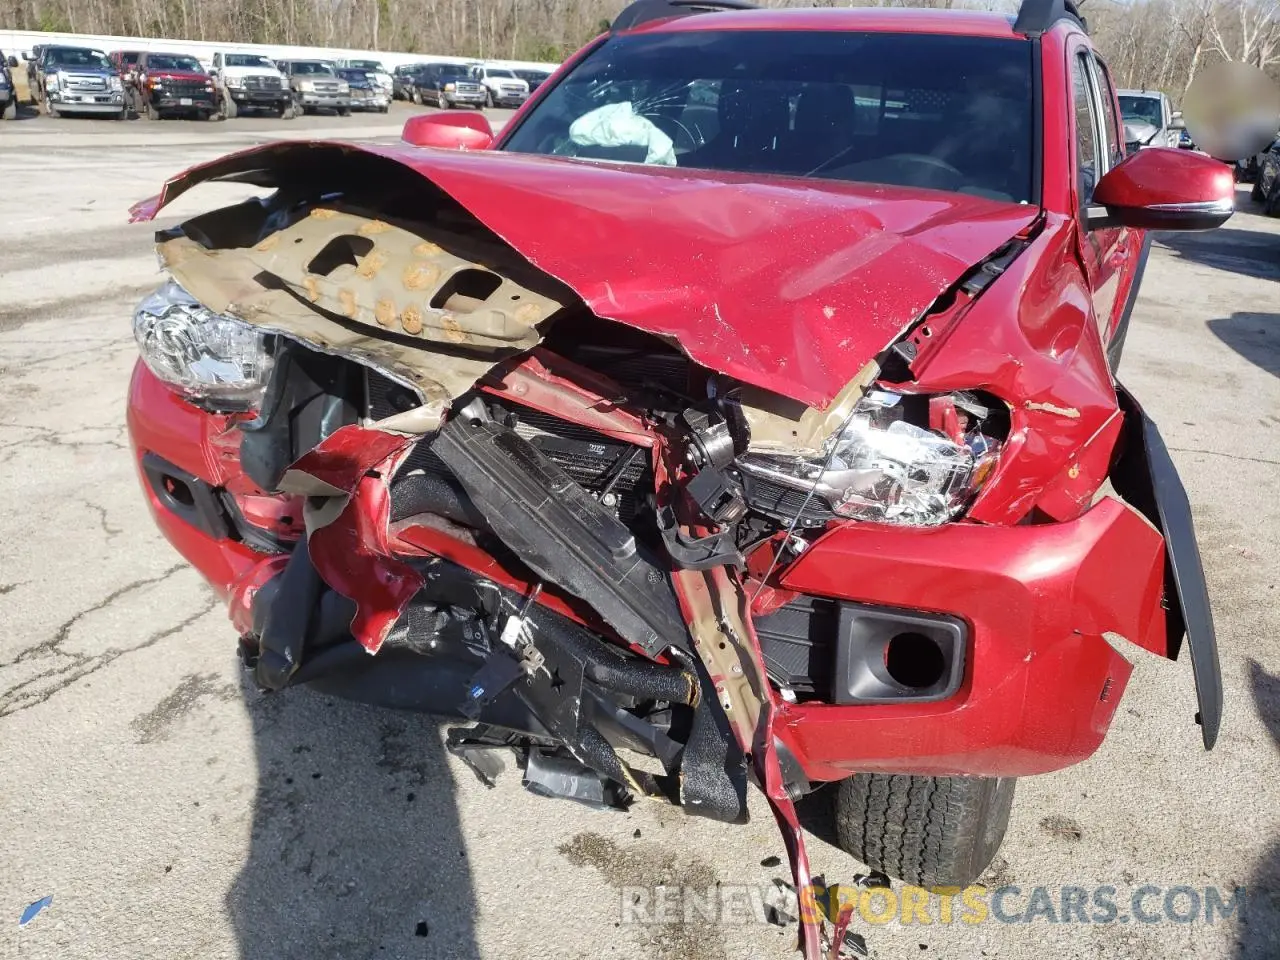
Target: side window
column 1112, row 133
column 1086, row 129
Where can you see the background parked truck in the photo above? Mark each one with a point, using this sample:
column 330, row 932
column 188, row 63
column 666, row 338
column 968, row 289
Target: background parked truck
column 250, row 82
column 77, row 80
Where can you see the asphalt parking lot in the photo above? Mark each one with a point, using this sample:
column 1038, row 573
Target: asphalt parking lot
column 171, row 811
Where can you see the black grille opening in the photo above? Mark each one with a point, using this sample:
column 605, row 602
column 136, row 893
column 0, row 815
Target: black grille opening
column 798, row 642
column 619, row 472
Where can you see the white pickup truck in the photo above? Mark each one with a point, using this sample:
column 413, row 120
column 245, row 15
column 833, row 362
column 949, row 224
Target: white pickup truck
column 249, row 81
column 502, row 87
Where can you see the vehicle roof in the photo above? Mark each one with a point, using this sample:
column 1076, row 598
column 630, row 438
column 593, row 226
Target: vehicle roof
column 878, row 19
column 1155, row 94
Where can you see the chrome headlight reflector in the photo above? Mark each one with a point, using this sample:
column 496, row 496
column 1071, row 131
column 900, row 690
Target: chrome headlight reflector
column 208, row 356
column 882, row 467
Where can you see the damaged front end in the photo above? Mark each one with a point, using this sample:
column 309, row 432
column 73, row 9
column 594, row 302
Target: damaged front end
column 431, row 467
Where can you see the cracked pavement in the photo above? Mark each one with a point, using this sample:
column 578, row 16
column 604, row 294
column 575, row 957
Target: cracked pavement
column 172, row 812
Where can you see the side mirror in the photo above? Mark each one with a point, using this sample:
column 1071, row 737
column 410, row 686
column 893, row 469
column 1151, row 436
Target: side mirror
column 449, row 131
column 26, row 55
column 12, row 61
column 1177, row 123
column 1163, row 188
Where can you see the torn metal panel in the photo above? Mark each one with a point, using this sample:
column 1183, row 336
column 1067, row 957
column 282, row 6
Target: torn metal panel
column 719, row 622
column 783, row 426
column 348, row 533
column 433, row 318
column 377, row 273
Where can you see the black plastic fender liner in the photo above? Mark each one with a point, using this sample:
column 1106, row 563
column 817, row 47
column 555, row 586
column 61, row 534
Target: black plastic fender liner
column 1146, row 477
column 555, row 527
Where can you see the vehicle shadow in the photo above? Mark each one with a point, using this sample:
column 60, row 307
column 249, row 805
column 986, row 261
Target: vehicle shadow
column 1250, row 253
column 1259, row 934
column 1255, row 336
column 355, row 848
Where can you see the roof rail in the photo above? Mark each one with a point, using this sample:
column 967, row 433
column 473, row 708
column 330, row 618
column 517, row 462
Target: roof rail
column 1037, row 16
column 643, row 11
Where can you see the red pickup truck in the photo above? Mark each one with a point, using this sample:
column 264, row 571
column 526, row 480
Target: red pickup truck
column 169, row 84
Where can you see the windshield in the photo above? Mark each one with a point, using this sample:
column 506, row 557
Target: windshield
column 840, row 106
column 499, row 72
column 168, row 61
column 71, row 57
column 312, row 67
column 533, row 76
column 1143, row 109
column 373, row 65
column 454, row 70
column 249, row 60
column 353, row 75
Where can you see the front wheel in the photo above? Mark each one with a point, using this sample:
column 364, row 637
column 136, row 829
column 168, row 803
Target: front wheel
column 417, row 96
column 928, row 831
column 11, row 110
column 152, row 112
column 344, row 111
column 488, row 99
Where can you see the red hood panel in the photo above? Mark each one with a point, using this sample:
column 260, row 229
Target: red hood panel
column 176, row 75
column 790, row 285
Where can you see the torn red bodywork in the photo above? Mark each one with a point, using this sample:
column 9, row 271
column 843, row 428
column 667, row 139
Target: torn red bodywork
column 692, row 255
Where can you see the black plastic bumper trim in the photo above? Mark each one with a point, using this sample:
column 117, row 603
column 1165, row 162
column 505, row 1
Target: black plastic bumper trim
column 186, row 496
column 1147, row 478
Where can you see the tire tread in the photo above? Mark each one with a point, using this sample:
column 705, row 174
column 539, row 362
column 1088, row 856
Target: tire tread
column 929, row 831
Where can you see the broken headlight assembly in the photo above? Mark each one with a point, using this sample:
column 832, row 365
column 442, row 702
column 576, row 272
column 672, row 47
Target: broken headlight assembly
column 884, row 465
column 214, row 359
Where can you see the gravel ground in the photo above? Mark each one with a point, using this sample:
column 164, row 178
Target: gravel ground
column 170, row 811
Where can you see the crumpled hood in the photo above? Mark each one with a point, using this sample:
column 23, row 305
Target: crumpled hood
column 790, row 285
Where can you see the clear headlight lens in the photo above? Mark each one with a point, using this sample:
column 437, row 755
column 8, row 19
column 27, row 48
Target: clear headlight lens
column 881, row 467
column 307, row 85
column 204, row 354
column 115, row 84
column 344, row 87
column 235, row 83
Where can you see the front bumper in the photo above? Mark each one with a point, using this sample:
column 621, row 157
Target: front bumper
column 260, row 98
column 1040, row 685
column 377, row 101
column 87, row 102
column 329, row 101
column 202, row 104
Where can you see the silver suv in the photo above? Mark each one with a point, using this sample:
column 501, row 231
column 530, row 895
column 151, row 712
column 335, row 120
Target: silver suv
column 316, row 86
